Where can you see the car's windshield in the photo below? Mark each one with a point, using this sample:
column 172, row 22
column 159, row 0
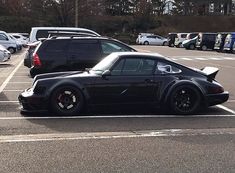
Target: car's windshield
column 105, row 64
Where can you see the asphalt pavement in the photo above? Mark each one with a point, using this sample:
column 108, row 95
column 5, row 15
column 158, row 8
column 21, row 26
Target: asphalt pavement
column 118, row 140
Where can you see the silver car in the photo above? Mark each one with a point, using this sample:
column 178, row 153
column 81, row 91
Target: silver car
column 4, row 54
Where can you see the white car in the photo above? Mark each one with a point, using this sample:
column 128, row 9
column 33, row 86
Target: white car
column 20, row 38
column 8, row 42
column 153, row 40
column 180, row 37
column 4, row 54
column 43, row 32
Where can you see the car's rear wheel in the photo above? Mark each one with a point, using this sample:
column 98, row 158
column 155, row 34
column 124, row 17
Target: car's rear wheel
column 191, row 46
column 165, row 43
column 204, row 47
column 67, row 100
column 185, row 100
column 146, row 43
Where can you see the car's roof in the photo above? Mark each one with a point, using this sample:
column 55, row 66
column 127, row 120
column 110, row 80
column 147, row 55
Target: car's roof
column 140, row 54
column 82, row 38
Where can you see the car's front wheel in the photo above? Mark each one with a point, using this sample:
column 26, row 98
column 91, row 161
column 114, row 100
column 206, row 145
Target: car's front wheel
column 185, row 100
column 67, row 100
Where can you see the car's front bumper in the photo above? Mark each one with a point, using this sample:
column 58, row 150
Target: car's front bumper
column 32, row 102
column 214, row 99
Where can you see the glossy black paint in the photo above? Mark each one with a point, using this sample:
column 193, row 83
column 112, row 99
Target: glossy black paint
column 108, row 89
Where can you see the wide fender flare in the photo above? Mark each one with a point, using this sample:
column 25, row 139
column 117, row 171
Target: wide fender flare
column 180, row 83
column 69, row 82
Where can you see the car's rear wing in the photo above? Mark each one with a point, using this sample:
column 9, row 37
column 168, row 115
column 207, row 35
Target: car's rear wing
column 210, row 72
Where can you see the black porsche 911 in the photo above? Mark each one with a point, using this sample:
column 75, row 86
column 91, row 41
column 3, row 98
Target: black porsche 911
column 126, row 78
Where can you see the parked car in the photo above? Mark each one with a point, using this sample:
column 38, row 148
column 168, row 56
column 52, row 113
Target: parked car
column 180, row 37
column 18, row 43
column 4, row 54
column 73, row 53
column 8, row 42
column 52, row 34
column 23, row 40
column 229, row 44
column 152, row 40
column 190, row 44
column 206, row 41
column 191, row 35
column 126, row 78
column 140, row 35
column 171, row 39
column 219, row 41
column 42, row 32
column 29, row 53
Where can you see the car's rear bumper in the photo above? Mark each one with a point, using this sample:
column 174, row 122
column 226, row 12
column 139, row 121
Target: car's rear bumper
column 214, row 99
column 32, row 102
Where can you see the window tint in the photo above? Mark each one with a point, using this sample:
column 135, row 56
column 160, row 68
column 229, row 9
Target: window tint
column 56, row 45
column 16, row 36
column 3, row 37
column 85, row 47
column 164, row 68
column 134, row 66
column 183, row 35
column 111, row 46
column 151, row 36
column 45, row 34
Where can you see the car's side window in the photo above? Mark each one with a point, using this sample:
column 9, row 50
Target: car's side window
column 86, row 48
column 56, row 45
column 165, row 68
column 3, row 37
column 134, row 66
column 110, row 47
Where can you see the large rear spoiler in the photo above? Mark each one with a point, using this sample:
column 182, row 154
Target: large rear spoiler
column 210, row 72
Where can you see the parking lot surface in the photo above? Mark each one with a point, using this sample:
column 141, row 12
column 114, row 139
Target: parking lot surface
column 119, row 140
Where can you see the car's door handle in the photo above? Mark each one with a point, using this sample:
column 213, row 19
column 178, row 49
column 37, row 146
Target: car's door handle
column 149, row 81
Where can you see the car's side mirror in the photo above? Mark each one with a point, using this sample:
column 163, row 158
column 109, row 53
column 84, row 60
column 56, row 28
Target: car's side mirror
column 106, row 73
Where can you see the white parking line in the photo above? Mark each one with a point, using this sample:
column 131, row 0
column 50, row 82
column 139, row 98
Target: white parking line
column 226, row 109
column 10, row 76
column 112, row 117
column 115, row 135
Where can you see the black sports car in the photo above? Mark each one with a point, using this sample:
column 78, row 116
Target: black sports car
column 126, row 78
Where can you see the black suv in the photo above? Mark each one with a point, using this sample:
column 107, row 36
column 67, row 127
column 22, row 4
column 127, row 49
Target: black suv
column 73, row 53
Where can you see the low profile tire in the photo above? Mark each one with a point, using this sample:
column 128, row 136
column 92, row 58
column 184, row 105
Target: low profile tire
column 185, row 100
column 204, row 48
column 67, row 100
column 191, row 46
column 146, row 43
column 12, row 50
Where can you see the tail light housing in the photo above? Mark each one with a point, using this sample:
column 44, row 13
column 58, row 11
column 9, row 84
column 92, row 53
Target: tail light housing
column 36, row 60
column 215, row 90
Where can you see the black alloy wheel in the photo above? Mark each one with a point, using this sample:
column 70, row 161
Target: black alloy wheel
column 67, row 100
column 185, row 100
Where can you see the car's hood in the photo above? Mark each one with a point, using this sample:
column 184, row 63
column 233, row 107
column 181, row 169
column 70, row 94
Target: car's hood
column 56, row 74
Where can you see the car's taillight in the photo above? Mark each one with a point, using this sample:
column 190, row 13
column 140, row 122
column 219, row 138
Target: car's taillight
column 215, row 90
column 36, row 60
